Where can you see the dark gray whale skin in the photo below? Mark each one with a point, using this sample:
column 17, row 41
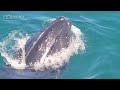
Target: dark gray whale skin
column 56, row 36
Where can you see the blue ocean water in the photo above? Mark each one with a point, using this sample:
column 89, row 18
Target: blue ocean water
column 101, row 36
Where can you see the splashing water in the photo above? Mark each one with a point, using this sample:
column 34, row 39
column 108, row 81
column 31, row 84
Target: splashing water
column 61, row 58
column 16, row 40
column 10, row 45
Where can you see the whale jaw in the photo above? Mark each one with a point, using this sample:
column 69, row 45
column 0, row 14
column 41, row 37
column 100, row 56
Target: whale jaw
column 51, row 40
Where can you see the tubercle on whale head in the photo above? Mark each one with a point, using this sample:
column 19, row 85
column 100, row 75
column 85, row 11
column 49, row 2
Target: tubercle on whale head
column 61, row 17
column 66, row 19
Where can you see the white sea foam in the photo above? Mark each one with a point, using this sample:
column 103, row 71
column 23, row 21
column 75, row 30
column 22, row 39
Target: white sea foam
column 18, row 40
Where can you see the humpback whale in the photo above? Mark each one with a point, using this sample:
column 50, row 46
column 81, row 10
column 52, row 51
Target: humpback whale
column 50, row 40
column 45, row 54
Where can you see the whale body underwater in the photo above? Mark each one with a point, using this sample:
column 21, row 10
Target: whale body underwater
column 50, row 40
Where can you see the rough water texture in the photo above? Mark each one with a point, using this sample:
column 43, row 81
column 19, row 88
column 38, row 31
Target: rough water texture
column 101, row 35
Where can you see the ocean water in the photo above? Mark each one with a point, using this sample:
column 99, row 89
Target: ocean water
column 100, row 29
